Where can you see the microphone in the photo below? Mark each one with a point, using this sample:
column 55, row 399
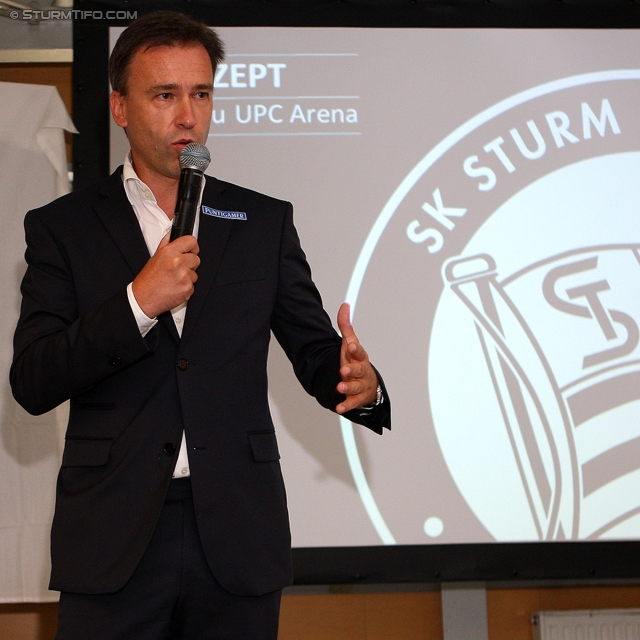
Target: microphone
column 194, row 159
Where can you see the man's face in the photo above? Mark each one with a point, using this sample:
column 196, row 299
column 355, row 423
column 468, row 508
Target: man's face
column 168, row 104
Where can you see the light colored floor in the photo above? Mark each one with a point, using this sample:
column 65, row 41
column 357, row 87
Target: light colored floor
column 359, row 616
column 376, row 616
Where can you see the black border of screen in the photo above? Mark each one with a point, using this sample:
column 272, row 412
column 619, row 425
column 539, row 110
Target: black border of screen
column 432, row 563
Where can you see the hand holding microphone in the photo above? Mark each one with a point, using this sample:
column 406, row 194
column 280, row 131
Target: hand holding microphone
column 169, row 276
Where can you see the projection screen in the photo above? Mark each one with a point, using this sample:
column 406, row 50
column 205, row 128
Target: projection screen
column 473, row 195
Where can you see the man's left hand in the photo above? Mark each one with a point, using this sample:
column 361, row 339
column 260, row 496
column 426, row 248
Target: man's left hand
column 359, row 380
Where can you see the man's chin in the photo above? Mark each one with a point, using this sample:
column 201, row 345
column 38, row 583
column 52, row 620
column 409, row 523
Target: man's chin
column 170, row 171
column 173, row 168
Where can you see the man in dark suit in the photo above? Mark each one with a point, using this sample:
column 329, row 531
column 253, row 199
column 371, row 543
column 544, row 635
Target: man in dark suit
column 171, row 518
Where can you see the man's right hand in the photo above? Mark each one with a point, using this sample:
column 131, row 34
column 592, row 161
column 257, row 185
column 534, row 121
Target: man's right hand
column 168, row 277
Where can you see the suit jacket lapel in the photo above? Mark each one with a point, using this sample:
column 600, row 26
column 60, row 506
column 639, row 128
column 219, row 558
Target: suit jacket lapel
column 121, row 223
column 212, row 239
column 119, row 219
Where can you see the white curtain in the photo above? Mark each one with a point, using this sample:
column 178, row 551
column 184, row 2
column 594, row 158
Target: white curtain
column 33, row 171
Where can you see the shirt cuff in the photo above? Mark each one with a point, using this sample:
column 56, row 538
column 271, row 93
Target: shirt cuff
column 145, row 323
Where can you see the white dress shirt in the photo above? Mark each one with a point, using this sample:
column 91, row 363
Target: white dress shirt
column 154, row 224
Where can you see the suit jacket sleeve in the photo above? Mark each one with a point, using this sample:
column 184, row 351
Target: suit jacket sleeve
column 304, row 330
column 57, row 352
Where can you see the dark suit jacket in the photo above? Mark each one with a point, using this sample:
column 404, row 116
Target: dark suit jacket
column 131, row 397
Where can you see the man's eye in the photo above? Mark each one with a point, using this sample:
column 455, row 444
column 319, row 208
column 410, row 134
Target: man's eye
column 164, row 96
column 202, row 95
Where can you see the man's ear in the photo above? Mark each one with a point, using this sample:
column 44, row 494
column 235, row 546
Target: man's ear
column 118, row 109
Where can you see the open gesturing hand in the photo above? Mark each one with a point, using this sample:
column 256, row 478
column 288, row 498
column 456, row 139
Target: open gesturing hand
column 359, row 380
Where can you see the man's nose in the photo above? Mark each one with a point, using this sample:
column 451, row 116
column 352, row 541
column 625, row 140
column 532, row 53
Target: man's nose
column 186, row 116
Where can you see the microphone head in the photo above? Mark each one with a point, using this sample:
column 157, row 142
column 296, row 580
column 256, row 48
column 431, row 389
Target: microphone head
column 194, row 156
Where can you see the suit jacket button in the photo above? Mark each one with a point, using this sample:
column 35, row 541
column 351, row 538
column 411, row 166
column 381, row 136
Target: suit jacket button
column 114, row 362
column 183, row 364
column 169, row 448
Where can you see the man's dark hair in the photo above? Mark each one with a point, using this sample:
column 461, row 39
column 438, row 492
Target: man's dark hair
column 156, row 29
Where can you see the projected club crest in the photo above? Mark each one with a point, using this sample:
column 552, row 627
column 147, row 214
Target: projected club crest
column 519, row 415
column 547, row 384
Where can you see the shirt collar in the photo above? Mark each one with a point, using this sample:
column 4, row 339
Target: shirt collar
column 130, row 178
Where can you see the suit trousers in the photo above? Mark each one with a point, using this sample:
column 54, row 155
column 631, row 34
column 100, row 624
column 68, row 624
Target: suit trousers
column 172, row 594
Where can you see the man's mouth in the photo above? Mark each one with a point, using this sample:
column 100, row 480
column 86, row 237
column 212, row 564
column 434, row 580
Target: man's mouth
column 182, row 142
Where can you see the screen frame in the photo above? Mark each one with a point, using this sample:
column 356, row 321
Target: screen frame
column 433, row 563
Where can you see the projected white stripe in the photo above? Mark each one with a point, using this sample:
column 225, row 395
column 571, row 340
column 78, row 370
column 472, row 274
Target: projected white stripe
column 390, row 208
column 289, row 55
column 362, row 485
column 288, row 98
column 302, row 133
